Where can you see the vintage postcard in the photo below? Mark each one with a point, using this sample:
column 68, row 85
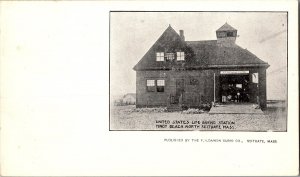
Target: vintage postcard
column 198, row 70
column 149, row 88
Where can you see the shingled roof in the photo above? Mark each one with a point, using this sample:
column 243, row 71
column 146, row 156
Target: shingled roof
column 211, row 54
column 198, row 54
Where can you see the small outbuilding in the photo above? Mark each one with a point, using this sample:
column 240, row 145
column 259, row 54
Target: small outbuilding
column 129, row 99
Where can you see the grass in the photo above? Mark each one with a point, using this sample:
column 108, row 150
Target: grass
column 131, row 118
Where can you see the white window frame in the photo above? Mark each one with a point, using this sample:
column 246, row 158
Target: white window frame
column 150, row 82
column 160, row 82
column 160, row 56
column 150, row 85
column 180, row 56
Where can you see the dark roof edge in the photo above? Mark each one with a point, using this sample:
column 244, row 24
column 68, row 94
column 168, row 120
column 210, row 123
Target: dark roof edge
column 264, row 65
column 202, row 41
column 243, row 65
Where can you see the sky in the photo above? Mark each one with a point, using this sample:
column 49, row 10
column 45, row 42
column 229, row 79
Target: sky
column 133, row 33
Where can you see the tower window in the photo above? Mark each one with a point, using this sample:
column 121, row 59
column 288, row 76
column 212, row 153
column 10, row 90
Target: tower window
column 229, row 34
column 221, row 34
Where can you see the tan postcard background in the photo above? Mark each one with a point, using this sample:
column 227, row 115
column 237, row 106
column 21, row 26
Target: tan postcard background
column 54, row 79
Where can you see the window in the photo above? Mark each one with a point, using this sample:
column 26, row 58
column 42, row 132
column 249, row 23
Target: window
column 194, row 81
column 229, row 34
column 156, row 85
column 170, row 56
column 255, row 78
column 150, row 85
column 160, row 86
column 180, row 56
column 221, row 34
column 160, row 56
column 239, row 85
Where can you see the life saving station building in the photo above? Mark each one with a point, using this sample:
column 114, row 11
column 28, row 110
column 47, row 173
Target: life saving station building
column 175, row 72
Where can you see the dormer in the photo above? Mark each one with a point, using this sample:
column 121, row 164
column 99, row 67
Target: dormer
column 226, row 35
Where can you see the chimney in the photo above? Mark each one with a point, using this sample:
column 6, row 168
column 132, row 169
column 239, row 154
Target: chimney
column 181, row 34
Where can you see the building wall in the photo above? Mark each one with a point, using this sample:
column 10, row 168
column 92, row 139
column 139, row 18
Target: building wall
column 262, row 79
column 194, row 94
column 150, row 99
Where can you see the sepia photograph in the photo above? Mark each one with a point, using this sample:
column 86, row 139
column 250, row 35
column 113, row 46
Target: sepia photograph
column 207, row 71
column 149, row 88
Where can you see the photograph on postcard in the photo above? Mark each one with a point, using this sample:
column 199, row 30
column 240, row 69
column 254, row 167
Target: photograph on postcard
column 198, row 71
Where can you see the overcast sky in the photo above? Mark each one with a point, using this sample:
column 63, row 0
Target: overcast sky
column 133, row 33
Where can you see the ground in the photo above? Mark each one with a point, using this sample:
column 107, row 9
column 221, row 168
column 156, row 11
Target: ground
column 131, row 118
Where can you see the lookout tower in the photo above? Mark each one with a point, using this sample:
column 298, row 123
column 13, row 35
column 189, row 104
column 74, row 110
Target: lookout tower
column 226, row 35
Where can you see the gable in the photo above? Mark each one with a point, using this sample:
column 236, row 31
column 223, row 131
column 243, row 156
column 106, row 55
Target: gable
column 168, row 42
column 198, row 54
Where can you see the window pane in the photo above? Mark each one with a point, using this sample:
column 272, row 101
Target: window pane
column 160, row 56
column 160, row 85
column 180, row 55
column 150, row 83
column 160, row 82
column 229, row 34
column 239, row 86
column 255, row 78
column 160, row 88
column 221, row 34
column 151, row 88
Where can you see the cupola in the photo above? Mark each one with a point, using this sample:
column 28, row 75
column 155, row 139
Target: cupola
column 226, row 35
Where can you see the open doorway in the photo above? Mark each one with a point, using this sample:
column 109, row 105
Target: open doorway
column 235, row 88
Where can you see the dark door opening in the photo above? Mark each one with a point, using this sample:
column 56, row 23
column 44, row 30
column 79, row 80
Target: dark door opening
column 179, row 87
column 179, row 91
column 234, row 88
